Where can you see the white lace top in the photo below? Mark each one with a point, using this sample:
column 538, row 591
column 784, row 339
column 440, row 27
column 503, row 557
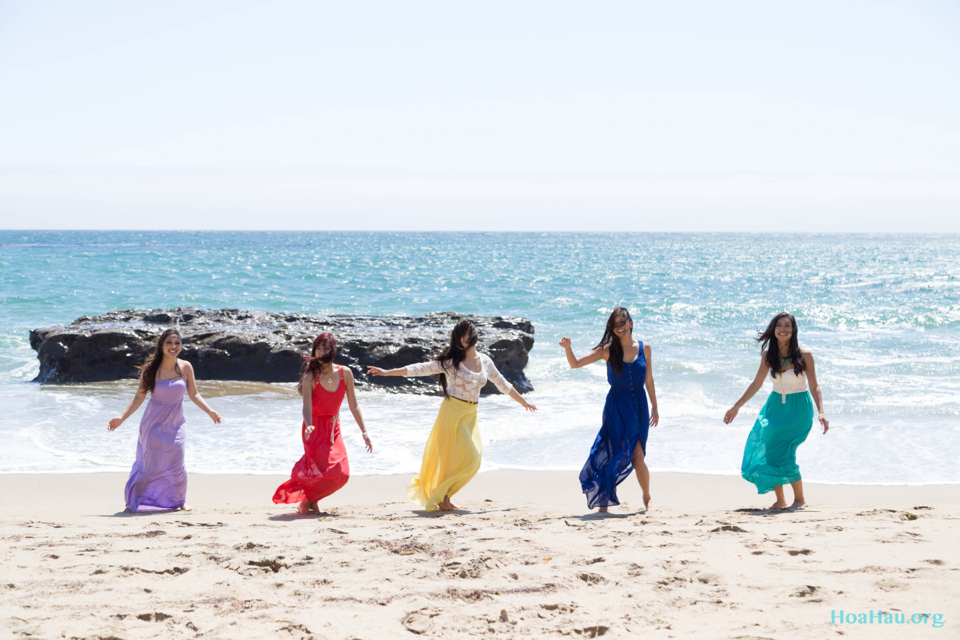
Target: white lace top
column 788, row 382
column 464, row 384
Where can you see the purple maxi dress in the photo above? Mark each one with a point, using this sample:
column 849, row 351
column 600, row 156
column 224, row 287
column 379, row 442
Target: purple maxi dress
column 158, row 479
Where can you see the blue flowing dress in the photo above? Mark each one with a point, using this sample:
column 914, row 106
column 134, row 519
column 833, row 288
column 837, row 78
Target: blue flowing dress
column 626, row 421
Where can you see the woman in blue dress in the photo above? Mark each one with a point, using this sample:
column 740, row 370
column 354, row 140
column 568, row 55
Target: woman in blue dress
column 770, row 455
column 621, row 445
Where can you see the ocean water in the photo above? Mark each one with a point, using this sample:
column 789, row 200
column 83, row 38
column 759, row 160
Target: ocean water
column 881, row 314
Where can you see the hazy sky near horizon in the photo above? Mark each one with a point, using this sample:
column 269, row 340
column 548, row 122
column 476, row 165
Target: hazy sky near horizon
column 681, row 116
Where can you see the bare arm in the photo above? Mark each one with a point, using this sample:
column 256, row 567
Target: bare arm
column 307, row 387
column 377, row 371
column 590, row 358
column 431, row 368
column 132, row 407
column 751, row 391
column 648, row 383
column 194, row 393
column 811, row 372
column 355, row 407
column 501, row 383
column 519, row 398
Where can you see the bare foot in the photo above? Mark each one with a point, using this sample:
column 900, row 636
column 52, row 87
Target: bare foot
column 128, row 510
column 447, row 505
column 306, row 507
column 776, row 505
column 798, row 504
column 648, row 503
column 603, row 509
column 186, row 508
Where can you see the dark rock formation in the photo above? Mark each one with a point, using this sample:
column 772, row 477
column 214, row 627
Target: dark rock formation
column 233, row 344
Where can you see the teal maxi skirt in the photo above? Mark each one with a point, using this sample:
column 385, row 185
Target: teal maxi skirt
column 770, row 455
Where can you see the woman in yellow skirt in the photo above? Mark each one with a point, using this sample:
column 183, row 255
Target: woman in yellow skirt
column 452, row 454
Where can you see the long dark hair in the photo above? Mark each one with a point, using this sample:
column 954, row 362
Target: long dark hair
column 312, row 363
column 451, row 357
column 150, row 367
column 768, row 340
column 611, row 341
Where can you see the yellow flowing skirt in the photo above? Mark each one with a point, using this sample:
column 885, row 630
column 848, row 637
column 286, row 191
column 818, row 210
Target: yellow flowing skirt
column 451, row 456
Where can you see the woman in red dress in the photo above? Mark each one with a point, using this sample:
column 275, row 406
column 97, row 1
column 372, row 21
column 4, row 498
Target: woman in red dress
column 324, row 468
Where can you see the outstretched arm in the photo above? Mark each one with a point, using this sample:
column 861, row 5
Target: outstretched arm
column 355, row 408
column 648, row 383
column 519, row 398
column 194, row 393
column 431, row 368
column 501, row 383
column 815, row 389
column 130, row 410
column 755, row 386
column 574, row 361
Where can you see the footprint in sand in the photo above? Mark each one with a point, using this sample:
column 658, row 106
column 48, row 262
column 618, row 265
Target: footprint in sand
column 938, row 563
column 876, row 512
column 594, row 631
column 805, row 591
column 274, row 565
column 559, row 608
column 173, row 571
column 591, row 578
column 472, row 569
column 799, row 552
column 297, row 631
column 889, row 584
column 417, row 622
column 155, row 616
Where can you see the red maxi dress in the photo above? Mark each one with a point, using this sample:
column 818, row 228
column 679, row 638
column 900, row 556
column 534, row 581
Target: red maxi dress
column 324, row 468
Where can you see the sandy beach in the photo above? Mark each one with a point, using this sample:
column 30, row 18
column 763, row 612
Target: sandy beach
column 525, row 559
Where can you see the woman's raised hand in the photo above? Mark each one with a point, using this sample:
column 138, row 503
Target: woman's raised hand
column 565, row 342
column 730, row 415
column 113, row 424
column 375, row 371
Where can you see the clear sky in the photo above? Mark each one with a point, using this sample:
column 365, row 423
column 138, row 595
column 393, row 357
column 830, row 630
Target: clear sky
column 644, row 116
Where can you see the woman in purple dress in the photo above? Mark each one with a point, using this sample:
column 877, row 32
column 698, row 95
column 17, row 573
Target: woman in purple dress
column 158, row 479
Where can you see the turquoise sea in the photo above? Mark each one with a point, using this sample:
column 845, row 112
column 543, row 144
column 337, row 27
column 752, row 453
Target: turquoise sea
column 881, row 314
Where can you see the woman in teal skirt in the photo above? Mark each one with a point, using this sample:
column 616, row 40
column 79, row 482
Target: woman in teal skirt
column 770, row 455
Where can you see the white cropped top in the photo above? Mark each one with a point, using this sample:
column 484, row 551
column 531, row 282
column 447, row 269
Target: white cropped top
column 464, row 384
column 788, row 382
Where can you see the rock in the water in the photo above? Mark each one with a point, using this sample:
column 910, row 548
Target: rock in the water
column 234, row 344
